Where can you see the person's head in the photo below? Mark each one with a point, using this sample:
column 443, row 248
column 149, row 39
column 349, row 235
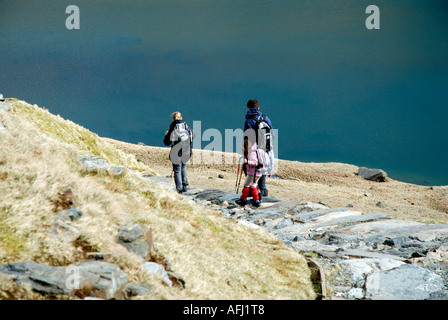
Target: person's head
column 252, row 103
column 177, row 115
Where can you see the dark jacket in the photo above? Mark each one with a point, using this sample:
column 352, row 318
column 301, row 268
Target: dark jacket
column 180, row 150
column 251, row 116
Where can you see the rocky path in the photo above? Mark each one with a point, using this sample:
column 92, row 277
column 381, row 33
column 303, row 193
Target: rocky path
column 363, row 255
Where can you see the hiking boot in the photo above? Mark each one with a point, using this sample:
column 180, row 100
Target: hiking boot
column 256, row 203
column 260, row 194
column 264, row 192
column 184, row 188
column 241, row 202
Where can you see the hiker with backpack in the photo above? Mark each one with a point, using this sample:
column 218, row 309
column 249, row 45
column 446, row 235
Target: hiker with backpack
column 253, row 161
column 262, row 127
column 180, row 137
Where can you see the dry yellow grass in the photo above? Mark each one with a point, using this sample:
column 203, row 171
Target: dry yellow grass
column 217, row 258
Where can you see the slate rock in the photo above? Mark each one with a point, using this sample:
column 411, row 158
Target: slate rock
column 283, row 224
column 303, row 245
column 100, row 279
column 111, row 279
column 72, row 213
column 358, row 269
column 407, row 282
column 310, row 206
column 65, row 231
column 94, row 162
column 382, row 226
column 134, row 238
column 130, row 233
column 117, row 170
column 396, row 241
column 41, row 278
column 372, row 174
column 381, row 204
column 97, row 163
column 209, row 195
column 159, row 270
column 355, row 293
column 308, row 215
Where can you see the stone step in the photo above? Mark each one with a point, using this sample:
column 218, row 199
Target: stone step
column 359, row 254
column 331, row 219
column 396, row 228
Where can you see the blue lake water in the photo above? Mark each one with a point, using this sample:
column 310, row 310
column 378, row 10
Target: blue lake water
column 336, row 91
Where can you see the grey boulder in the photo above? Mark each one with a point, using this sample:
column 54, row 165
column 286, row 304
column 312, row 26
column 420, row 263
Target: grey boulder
column 372, row 174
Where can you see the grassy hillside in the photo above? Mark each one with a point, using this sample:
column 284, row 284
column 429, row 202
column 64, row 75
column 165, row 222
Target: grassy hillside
column 217, row 258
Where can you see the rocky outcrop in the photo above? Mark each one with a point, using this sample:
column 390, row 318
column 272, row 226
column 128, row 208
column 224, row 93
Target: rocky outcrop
column 366, row 255
column 159, row 270
column 63, row 229
column 98, row 164
column 90, row 278
column 134, row 238
column 404, row 282
column 372, row 174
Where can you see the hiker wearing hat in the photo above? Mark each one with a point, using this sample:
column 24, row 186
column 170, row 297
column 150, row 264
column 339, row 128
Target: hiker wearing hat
column 180, row 137
column 254, row 118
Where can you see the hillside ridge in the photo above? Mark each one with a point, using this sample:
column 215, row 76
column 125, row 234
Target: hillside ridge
column 312, row 234
column 149, row 242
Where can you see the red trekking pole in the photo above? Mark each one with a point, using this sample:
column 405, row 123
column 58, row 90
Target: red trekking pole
column 237, row 174
column 240, row 175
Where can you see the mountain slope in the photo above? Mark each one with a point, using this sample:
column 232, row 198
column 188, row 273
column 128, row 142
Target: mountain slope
column 217, row 258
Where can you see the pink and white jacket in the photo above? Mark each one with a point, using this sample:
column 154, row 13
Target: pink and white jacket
column 252, row 161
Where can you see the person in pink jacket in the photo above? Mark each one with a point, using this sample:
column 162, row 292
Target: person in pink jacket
column 253, row 175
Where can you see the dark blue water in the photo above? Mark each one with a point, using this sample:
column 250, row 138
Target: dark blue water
column 336, row 91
